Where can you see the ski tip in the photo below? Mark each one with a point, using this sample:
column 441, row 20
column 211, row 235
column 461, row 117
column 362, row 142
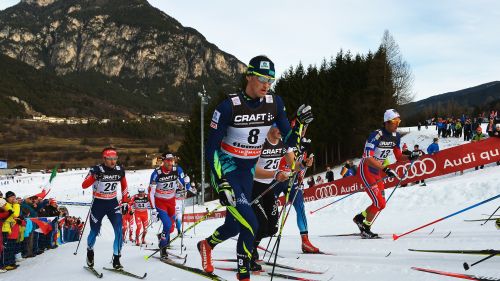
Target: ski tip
column 395, row 237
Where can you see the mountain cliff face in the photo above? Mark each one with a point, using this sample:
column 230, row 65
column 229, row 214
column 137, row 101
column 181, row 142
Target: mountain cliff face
column 125, row 42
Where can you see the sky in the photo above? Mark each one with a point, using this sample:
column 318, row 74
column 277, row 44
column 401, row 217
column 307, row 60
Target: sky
column 449, row 44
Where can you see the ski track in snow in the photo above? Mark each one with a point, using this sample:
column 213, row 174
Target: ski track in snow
column 355, row 259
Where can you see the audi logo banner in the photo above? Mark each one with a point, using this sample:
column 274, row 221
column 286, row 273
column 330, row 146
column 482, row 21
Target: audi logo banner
column 446, row 161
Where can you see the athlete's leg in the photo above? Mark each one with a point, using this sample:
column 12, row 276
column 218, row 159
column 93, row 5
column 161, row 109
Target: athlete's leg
column 374, row 190
column 97, row 212
column 167, row 224
column 115, row 217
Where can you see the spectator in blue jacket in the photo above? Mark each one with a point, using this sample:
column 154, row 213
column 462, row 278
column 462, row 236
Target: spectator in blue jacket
column 433, row 147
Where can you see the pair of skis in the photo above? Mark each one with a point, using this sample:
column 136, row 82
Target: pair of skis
column 119, row 271
column 213, row 276
column 490, row 253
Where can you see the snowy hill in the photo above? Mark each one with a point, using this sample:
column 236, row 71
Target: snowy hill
column 354, row 259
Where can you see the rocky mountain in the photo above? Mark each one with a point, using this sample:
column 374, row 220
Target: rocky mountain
column 127, row 43
column 472, row 100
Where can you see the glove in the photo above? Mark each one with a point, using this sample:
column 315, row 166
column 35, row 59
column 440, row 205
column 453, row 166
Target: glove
column 414, row 156
column 391, row 173
column 98, row 175
column 193, row 190
column 125, row 199
column 131, row 213
column 304, row 114
column 226, row 194
column 305, row 145
column 10, row 212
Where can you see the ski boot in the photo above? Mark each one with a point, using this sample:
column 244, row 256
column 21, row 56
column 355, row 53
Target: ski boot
column 254, row 266
column 497, row 223
column 307, row 247
column 131, row 238
column 137, row 243
column 116, row 262
column 206, row 256
column 243, row 266
column 366, row 233
column 90, row 258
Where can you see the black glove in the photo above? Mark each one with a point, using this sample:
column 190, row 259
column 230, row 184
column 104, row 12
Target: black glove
column 226, row 194
column 391, row 173
column 305, row 145
column 414, row 155
column 98, row 175
column 10, row 212
column 130, row 213
column 304, row 114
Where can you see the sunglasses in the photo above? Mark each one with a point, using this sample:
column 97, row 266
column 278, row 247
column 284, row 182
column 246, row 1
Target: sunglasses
column 111, row 158
column 263, row 79
column 395, row 121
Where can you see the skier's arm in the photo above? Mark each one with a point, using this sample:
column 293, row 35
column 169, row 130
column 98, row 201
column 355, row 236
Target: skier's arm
column 218, row 126
column 124, row 186
column 152, row 189
column 290, row 136
column 89, row 179
column 369, row 151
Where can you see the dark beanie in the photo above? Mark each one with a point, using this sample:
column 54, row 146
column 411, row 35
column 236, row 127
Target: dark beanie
column 9, row 194
column 261, row 65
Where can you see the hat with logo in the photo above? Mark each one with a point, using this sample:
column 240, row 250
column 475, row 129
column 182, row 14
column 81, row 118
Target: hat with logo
column 167, row 155
column 52, row 201
column 261, row 65
column 390, row 114
column 405, row 146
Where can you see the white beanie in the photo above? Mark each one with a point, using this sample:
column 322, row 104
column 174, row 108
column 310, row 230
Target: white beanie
column 390, row 114
column 2, row 202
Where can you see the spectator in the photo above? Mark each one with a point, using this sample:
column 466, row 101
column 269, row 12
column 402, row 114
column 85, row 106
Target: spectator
column 319, row 180
column 348, row 170
column 467, row 130
column 490, row 128
column 405, row 150
column 433, row 148
column 478, row 136
column 497, row 134
column 419, row 125
column 421, row 153
column 329, row 174
column 458, row 129
column 9, row 228
column 311, row 182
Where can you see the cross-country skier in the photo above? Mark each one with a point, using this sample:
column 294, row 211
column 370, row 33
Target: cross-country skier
column 378, row 147
column 298, row 204
column 140, row 205
column 239, row 128
column 104, row 179
column 273, row 166
column 163, row 184
column 127, row 221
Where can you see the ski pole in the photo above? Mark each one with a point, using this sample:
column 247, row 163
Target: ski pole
column 279, row 215
column 466, row 266
column 278, row 239
column 395, row 236
column 187, row 229
column 344, row 197
column 83, row 229
column 396, row 187
column 490, row 216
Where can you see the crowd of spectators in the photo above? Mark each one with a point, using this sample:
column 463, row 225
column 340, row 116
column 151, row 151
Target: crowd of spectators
column 32, row 225
column 465, row 126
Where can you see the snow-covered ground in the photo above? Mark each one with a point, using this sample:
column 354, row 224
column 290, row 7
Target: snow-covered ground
column 354, row 259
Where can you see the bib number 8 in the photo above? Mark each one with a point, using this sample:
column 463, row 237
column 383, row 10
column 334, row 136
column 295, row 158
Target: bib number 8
column 253, row 136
